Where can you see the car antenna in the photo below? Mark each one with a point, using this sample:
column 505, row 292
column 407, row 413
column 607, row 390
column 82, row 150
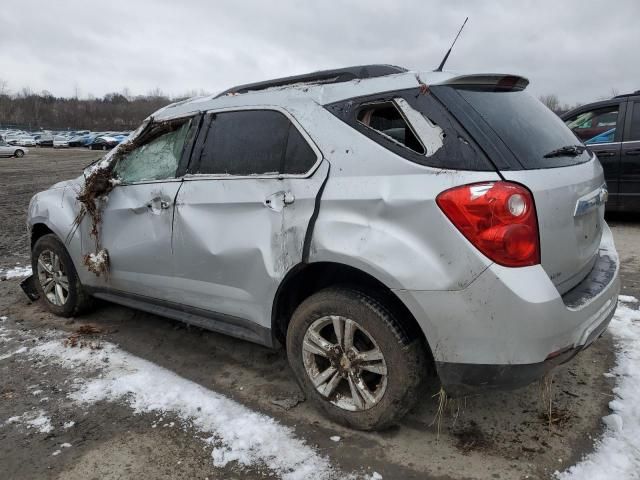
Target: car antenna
column 444, row 60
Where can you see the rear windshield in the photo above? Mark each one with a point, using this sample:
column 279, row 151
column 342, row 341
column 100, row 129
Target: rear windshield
column 527, row 127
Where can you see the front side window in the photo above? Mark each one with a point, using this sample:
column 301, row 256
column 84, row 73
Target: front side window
column 156, row 159
column 254, row 142
column 595, row 126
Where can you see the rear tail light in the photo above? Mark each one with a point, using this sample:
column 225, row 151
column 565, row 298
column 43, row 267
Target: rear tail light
column 498, row 218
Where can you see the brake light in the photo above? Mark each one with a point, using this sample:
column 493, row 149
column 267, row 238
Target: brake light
column 498, row 218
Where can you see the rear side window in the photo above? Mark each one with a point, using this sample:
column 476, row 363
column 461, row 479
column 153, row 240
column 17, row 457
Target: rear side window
column 253, row 142
column 528, row 128
column 634, row 132
column 595, row 126
column 386, row 119
column 416, row 126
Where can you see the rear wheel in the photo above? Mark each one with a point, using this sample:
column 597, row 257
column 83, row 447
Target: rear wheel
column 19, row 153
column 56, row 278
column 352, row 359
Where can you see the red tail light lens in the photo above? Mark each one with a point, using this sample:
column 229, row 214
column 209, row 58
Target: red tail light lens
column 498, row 218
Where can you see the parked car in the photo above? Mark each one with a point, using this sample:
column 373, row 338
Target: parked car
column 7, row 150
column 60, row 141
column 26, row 141
column 105, row 142
column 611, row 130
column 378, row 229
column 44, row 140
column 77, row 141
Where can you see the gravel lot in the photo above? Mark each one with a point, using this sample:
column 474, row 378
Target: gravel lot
column 497, row 435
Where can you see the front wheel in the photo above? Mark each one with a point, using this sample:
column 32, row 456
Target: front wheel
column 19, row 153
column 352, row 359
column 56, row 278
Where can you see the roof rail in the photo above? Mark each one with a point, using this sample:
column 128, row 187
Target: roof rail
column 637, row 92
column 325, row 76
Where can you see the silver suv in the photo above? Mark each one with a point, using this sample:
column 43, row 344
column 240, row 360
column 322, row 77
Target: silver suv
column 381, row 224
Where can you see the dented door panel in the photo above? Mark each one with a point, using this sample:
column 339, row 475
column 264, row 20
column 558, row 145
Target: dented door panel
column 232, row 247
column 136, row 230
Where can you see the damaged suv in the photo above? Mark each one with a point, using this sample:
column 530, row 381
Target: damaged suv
column 385, row 226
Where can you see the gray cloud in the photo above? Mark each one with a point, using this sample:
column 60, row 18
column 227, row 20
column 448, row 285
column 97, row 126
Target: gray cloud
column 580, row 50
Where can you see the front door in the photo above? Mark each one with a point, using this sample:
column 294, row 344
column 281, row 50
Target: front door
column 136, row 223
column 241, row 220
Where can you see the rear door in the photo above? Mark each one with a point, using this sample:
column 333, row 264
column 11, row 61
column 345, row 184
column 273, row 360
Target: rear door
column 630, row 159
column 243, row 212
column 525, row 137
column 601, row 130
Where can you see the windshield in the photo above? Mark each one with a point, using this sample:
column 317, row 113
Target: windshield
column 528, row 128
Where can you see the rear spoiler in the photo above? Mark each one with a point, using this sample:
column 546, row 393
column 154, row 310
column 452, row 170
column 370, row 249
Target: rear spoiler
column 491, row 81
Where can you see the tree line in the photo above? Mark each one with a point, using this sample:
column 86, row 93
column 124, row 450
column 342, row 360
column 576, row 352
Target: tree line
column 115, row 111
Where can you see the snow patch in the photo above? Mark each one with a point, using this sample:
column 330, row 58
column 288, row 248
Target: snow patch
column 67, row 425
column 617, row 454
column 235, row 432
column 36, row 419
column 627, row 299
column 16, row 272
column 17, row 352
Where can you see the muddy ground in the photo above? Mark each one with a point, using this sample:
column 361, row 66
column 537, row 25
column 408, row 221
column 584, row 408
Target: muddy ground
column 493, row 436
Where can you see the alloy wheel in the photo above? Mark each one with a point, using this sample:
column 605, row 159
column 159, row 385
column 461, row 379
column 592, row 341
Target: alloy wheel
column 344, row 363
column 53, row 278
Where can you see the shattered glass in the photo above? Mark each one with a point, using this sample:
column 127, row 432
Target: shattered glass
column 155, row 160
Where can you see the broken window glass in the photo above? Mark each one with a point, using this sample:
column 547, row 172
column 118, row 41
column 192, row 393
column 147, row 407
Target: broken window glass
column 157, row 159
column 386, row 119
column 398, row 121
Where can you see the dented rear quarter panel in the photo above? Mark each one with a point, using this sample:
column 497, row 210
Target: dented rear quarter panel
column 380, row 215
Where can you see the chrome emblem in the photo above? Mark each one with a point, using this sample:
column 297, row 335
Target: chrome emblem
column 591, row 200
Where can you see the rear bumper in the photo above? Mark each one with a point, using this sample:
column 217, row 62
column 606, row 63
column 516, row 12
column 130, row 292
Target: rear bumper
column 460, row 379
column 511, row 325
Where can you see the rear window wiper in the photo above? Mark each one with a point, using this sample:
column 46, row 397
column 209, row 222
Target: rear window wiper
column 566, row 151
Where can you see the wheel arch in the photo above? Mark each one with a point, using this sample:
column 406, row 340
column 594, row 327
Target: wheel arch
column 304, row 280
column 39, row 230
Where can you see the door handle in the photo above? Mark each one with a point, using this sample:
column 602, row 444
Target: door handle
column 153, row 206
column 605, row 154
column 279, row 200
column 633, row 152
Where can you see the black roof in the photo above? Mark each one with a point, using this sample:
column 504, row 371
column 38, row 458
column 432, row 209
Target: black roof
column 325, row 76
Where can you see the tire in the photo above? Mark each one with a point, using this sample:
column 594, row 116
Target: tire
column 104, row 147
column 19, row 153
column 377, row 330
column 77, row 300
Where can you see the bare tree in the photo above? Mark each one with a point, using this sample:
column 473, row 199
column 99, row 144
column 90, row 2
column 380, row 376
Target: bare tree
column 4, row 87
column 551, row 101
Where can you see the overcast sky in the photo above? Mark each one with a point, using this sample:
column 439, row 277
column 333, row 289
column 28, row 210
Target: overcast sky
column 581, row 50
